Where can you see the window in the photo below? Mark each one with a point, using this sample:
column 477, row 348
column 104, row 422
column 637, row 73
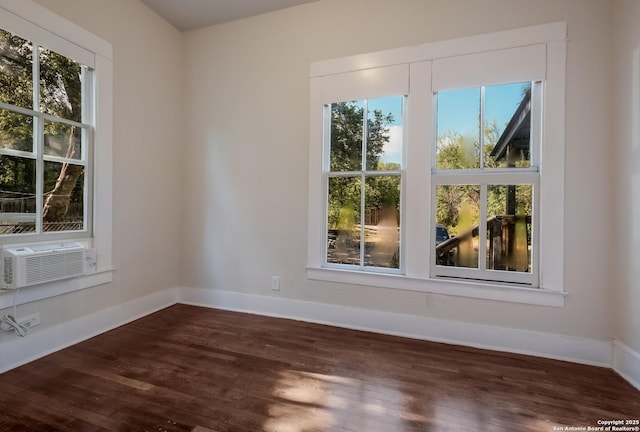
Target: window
column 363, row 180
column 472, row 212
column 485, row 182
column 45, row 140
column 56, row 116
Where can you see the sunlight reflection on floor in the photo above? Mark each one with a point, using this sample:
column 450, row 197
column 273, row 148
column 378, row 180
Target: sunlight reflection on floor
column 311, row 401
column 303, row 403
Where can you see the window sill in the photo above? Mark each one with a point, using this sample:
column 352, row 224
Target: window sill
column 488, row 291
column 52, row 289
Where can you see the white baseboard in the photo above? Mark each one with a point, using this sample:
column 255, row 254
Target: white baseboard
column 17, row 351
column 626, row 362
column 578, row 350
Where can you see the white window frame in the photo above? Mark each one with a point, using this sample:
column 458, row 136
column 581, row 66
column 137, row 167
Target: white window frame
column 37, row 152
column 359, row 85
column 34, row 22
column 484, row 177
column 424, row 63
column 363, row 174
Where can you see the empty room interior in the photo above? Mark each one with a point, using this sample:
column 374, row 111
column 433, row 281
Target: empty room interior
column 319, row 215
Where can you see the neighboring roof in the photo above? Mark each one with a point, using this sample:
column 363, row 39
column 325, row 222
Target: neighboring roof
column 518, row 131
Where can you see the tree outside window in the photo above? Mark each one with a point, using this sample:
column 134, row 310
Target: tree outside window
column 43, row 140
column 363, row 223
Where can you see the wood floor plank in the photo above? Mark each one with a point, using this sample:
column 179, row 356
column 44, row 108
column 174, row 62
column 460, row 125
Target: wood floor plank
column 194, row 369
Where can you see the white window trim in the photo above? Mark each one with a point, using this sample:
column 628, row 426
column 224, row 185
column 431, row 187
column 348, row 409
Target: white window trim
column 390, row 82
column 550, row 290
column 39, row 24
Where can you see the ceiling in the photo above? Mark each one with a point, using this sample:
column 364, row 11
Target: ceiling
column 191, row 14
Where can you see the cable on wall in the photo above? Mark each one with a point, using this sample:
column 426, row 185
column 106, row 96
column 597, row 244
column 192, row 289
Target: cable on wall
column 10, row 322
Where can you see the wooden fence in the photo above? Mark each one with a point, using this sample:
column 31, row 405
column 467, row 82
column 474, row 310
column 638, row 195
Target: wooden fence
column 502, row 253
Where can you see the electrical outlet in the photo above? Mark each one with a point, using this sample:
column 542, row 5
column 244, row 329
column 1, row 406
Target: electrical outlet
column 275, row 283
column 30, row 320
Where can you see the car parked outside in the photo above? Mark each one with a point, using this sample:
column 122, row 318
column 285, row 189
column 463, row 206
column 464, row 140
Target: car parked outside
column 441, row 234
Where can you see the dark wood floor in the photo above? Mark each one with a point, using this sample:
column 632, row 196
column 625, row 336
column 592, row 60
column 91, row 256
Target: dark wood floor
column 194, row 369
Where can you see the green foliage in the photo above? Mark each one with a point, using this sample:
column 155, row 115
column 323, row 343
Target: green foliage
column 16, row 88
column 60, row 86
column 383, row 191
column 17, row 176
column 16, row 83
column 347, row 128
column 346, row 136
column 451, row 200
column 456, row 151
column 16, row 131
column 344, row 202
column 60, row 95
column 454, row 201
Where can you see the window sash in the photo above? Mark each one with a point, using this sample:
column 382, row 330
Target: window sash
column 484, row 180
column 362, row 174
column 38, row 154
column 448, row 72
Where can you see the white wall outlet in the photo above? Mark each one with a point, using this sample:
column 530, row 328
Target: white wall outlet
column 275, row 283
column 30, row 320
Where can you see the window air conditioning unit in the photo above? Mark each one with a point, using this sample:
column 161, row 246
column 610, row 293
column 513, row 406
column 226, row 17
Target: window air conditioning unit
column 30, row 265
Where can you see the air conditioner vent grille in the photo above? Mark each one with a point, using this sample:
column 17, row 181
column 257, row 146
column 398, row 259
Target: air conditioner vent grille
column 54, row 266
column 8, row 270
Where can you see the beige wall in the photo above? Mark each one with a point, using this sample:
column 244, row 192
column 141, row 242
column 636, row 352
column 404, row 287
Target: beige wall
column 626, row 165
column 246, row 140
column 147, row 132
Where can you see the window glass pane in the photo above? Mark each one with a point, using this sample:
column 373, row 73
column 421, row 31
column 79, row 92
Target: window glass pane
column 347, row 122
column 509, row 210
column 60, row 86
column 507, row 128
column 17, row 195
column 458, row 129
column 63, row 208
column 343, row 224
column 16, row 82
column 457, row 212
column 62, row 140
column 384, row 133
column 382, row 221
column 16, row 131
